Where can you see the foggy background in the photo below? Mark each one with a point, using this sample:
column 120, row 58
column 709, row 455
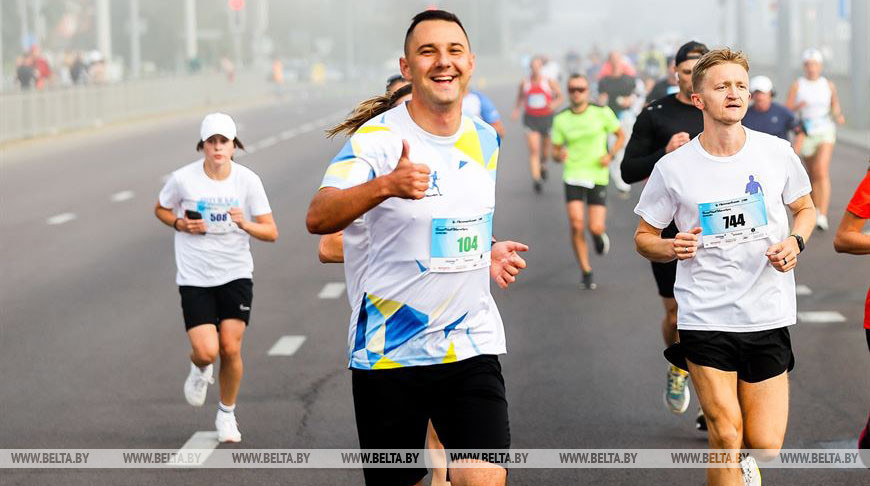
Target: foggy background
column 360, row 41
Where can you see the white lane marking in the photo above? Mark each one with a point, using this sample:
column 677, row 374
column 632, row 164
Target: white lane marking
column 287, row 346
column 61, row 218
column 123, row 196
column 266, row 142
column 202, row 442
column 287, row 134
column 332, row 290
column 821, row 316
column 803, row 290
column 307, row 127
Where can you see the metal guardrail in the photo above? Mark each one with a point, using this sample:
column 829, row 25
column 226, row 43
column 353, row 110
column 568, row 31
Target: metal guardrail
column 38, row 113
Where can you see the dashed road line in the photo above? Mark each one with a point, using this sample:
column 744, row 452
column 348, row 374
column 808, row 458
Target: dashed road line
column 821, row 316
column 123, row 196
column 286, row 346
column 332, row 290
column 288, row 134
column 204, row 442
column 61, row 218
column 803, row 290
column 266, row 142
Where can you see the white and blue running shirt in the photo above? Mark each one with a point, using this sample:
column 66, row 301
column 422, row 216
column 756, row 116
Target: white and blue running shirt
column 405, row 314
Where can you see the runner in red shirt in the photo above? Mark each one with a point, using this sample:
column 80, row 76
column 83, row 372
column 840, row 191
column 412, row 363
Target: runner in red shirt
column 850, row 239
column 538, row 98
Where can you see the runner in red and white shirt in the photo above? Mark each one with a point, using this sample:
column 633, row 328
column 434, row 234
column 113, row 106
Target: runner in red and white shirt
column 538, row 98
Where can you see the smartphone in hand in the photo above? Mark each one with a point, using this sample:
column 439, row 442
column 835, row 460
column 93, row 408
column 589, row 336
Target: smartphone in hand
column 192, row 214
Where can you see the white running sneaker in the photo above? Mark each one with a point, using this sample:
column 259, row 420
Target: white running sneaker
column 822, row 222
column 227, row 427
column 196, row 384
column 677, row 394
column 751, row 473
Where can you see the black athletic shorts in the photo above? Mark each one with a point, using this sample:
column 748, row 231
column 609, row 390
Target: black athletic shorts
column 465, row 401
column 211, row 305
column 540, row 124
column 755, row 356
column 596, row 195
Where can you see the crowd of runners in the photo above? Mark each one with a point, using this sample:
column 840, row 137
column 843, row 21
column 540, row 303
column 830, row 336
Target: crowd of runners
column 735, row 184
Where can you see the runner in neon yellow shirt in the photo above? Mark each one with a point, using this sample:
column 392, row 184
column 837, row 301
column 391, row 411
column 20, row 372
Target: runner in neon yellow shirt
column 579, row 137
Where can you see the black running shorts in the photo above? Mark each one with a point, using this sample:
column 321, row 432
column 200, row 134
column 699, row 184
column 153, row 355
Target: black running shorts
column 755, row 356
column 595, row 196
column 465, row 401
column 211, row 305
column 540, row 124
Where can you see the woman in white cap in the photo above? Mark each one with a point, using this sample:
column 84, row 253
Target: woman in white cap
column 814, row 98
column 215, row 205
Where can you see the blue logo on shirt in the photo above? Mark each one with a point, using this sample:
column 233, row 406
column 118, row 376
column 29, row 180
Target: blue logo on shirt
column 753, row 187
column 433, row 185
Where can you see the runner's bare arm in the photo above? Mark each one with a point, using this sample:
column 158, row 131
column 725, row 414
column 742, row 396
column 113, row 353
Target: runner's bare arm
column 783, row 255
column 262, row 228
column 792, row 95
column 618, row 143
column 332, row 209
column 804, row 212
column 650, row 244
column 558, row 97
column 836, row 110
column 849, row 238
column 331, row 248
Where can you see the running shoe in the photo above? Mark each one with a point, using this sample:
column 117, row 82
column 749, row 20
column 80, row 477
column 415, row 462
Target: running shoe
column 677, row 394
column 588, row 284
column 701, row 421
column 602, row 243
column 751, row 473
column 822, row 222
column 227, row 427
column 537, row 185
column 196, row 384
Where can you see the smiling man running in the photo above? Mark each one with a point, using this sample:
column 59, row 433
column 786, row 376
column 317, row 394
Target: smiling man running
column 424, row 340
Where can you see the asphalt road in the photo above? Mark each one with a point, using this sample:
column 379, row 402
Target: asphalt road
column 93, row 352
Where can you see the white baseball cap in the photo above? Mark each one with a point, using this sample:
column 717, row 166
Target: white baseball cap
column 761, row 83
column 812, row 55
column 217, row 124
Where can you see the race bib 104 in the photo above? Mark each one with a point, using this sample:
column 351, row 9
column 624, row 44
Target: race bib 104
column 733, row 221
column 460, row 244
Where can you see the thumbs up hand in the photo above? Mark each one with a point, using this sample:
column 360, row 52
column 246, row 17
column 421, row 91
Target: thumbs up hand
column 408, row 180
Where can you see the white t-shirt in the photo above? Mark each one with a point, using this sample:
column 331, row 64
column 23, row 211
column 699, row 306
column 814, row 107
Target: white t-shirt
column 223, row 254
column 408, row 314
column 355, row 245
column 731, row 287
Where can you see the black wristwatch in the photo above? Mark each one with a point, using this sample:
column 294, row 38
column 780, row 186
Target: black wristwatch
column 800, row 241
